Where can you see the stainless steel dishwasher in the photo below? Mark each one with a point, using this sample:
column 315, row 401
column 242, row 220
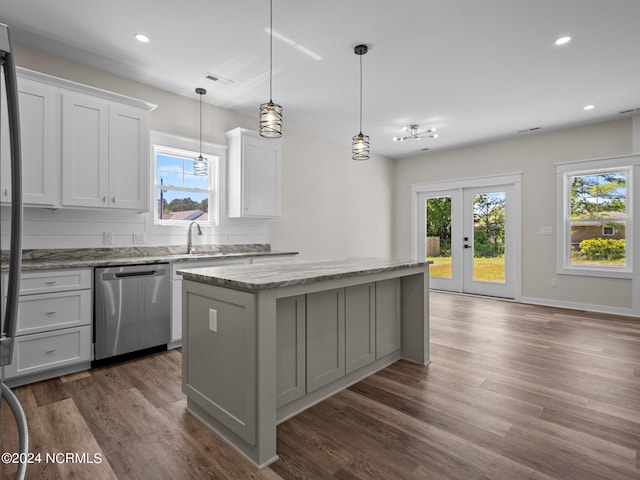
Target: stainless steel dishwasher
column 131, row 309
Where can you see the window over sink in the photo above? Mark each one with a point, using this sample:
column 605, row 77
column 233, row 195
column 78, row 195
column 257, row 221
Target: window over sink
column 181, row 196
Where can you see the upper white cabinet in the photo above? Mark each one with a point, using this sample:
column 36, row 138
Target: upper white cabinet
column 253, row 174
column 81, row 146
column 38, row 113
column 85, row 151
column 105, row 152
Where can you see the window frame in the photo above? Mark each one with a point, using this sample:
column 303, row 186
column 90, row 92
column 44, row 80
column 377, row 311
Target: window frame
column 564, row 172
column 187, row 148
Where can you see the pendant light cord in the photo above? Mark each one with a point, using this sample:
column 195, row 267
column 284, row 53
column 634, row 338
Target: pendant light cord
column 201, row 125
column 360, row 94
column 270, row 49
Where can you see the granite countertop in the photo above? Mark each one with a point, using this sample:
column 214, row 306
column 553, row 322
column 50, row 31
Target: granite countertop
column 47, row 259
column 265, row 276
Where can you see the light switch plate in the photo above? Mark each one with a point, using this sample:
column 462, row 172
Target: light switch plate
column 107, row 238
column 213, row 320
column 138, row 237
column 546, row 231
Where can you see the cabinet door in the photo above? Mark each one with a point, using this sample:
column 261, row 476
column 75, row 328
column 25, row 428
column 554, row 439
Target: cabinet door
column 360, row 324
column 85, row 151
column 388, row 318
column 260, row 177
column 128, row 157
column 325, row 338
column 290, row 349
column 38, row 139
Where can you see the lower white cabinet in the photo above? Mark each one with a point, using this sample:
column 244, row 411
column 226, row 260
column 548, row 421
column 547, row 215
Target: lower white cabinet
column 54, row 331
column 39, row 352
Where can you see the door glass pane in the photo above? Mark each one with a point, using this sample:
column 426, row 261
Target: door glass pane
column 438, row 235
column 488, row 237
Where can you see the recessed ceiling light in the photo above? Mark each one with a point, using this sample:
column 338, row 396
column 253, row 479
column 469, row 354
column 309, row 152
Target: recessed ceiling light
column 141, row 37
column 563, row 40
column 589, row 107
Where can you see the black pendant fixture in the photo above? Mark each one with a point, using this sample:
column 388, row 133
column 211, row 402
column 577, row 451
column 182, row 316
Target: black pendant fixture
column 270, row 113
column 360, row 143
column 201, row 164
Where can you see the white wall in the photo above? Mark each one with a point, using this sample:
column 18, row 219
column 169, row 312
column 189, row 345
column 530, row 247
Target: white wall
column 534, row 156
column 331, row 206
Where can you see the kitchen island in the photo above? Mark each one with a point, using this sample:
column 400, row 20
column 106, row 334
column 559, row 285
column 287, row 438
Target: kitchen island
column 263, row 342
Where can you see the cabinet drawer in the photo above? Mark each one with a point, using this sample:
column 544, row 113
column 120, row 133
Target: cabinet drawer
column 54, row 281
column 44, row 351
column 53, row 311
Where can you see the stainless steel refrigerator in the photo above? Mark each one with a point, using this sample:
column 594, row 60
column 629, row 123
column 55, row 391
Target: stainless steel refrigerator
column 9, row 317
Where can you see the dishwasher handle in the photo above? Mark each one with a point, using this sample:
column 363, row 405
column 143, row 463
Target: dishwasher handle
column 135, row 274
column 159, row 272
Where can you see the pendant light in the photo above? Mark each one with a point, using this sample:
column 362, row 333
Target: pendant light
column 201, row 164
column 360, row 145
column 270, row 113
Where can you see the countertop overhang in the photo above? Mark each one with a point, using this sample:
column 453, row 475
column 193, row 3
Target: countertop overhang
column 297, row 272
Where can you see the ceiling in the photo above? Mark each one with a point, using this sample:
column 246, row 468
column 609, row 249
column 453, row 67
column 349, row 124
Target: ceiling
column 474, row 69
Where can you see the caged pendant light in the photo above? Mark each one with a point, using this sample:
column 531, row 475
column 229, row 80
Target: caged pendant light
column 360, row 145
column 201, row 164
column 270, row 113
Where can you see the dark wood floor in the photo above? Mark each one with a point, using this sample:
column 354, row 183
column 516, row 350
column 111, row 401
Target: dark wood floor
column 514, row 392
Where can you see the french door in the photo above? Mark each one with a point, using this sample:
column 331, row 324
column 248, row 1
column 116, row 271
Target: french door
column 472, row 234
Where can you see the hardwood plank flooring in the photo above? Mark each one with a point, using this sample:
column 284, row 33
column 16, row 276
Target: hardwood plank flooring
column 513, row 392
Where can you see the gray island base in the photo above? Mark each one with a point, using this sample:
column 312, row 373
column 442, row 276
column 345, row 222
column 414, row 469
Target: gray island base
column 261, row 343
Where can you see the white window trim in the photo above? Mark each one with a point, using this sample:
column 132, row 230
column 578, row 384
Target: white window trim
column 180, row 145
column 565, row 170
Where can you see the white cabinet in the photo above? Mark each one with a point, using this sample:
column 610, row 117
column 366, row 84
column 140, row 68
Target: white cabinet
column 81, row 146
column 104, row 153
column 37, row 104
column 253, row 167
column 54, row 331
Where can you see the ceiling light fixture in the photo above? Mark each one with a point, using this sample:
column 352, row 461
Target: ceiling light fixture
column 141, row 37
column 270, row 113
column 563, row 40
column 416, row 134
column 589, row 107
column 201, row 164
column 360, row 143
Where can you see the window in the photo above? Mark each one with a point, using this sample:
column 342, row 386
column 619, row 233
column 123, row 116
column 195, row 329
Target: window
column 595, row 224
column 180, row 195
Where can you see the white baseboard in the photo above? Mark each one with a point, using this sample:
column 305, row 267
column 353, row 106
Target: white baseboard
column 579, row 306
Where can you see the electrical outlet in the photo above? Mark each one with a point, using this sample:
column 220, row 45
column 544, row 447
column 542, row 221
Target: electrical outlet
column 138, row 237
column 554, row 282
column 213, row 320
column 107, row 238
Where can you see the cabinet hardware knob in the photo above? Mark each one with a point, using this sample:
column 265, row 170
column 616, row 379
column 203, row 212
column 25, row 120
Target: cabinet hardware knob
column 51, row 350
column 104, row 199
column 113, row 200
column 6, row 192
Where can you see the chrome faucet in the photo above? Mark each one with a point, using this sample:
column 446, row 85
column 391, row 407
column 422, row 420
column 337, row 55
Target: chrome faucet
column 189, row 238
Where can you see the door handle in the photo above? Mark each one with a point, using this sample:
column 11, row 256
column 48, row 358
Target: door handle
column 467, row 246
